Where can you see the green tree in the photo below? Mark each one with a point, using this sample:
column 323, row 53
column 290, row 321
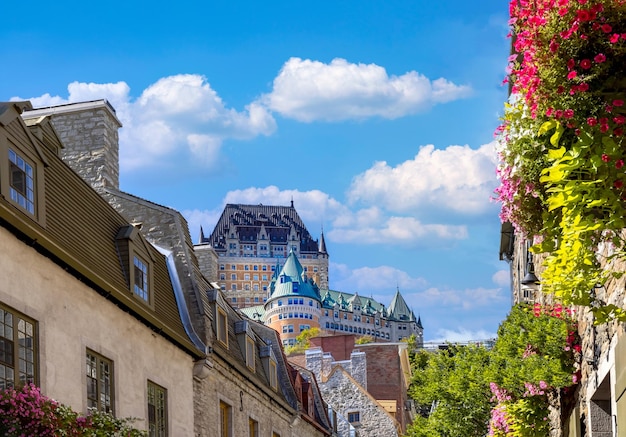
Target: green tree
column 303, row 341
column 451, row 390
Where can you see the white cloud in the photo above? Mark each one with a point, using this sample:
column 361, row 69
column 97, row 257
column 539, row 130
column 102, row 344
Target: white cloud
column 367, row 280
column 461, row 335
column 308, row 90
column 502, row 278
column 458, row 179
column 467, row 299
column 396, row 230
column 177, row 116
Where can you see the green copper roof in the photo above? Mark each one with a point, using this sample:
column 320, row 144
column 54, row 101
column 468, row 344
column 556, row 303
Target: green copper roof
column 291, row 281
column 399, row 310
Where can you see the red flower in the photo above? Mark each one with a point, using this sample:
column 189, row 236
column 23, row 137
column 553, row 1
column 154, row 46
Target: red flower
column 606, row 158
column 618, row 131
column 618, row 184
column 599, row 58
column 606, row 28
column 586, row 64
column 568, row 113
column 583, row 15
column 619, row 119
column 619, row 164
column 618, row 103
column 571, row 64
column 583, row 87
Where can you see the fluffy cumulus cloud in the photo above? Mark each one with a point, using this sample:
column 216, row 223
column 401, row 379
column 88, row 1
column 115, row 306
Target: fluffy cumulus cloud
column 502, row 278
column 308, row 90
column 177, row 116
column 368, row 229
column 366, row 280
column 458, row 179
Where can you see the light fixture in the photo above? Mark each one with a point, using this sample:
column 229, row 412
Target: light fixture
column 530, row 280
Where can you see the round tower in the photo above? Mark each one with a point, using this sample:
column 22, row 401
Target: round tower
column 294, row 302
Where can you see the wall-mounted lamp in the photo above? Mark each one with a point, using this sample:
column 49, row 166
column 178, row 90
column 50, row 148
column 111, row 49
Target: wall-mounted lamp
column 530, row 280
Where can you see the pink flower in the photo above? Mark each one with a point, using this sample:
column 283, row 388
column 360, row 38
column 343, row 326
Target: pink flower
column 591, row 121
column 586, row 64
column 599, row 58
column 572, row 74
column 571, row 64
column 619, row 119
column 619, row 164
column 568, row 113
column 618, row 103
column 614, row 38
column 583, row 87
column 606, row 28
column 606, row 158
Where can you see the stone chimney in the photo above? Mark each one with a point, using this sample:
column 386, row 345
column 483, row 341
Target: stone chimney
column 89, row 133
column 358, row 367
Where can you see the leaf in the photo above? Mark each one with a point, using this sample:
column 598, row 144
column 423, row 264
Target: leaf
column 547, row 126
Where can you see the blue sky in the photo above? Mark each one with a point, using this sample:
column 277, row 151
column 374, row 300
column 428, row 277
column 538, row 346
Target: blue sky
column 375, row 117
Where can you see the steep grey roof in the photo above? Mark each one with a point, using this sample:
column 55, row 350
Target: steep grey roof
column 399, row 310
column 247, row 220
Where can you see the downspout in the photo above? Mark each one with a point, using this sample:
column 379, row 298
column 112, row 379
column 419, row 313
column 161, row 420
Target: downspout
column 201, row 367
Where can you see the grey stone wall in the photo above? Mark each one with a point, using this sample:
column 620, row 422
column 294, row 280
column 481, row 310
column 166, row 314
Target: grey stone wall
column 340, row 392
column 91, row 140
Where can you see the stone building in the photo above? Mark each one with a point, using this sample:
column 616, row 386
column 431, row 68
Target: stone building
column 78, row 277
column 344, row 385
column 238, row 381
column 248, row 242
column 296, row 303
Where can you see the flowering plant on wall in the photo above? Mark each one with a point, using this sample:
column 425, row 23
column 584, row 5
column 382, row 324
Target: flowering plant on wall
column 562, row 172
column 26, row 411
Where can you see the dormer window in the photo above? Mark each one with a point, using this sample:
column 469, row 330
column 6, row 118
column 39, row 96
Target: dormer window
column 222, row 326
column 21, row 182
column 138, row 263
column 273, row 375
column 141, row 278
column 250, row 362
column 22, row 174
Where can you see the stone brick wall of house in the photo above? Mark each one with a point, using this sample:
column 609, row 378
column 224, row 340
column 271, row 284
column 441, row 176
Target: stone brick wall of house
column 339, row 392
column 246, row 402
column 339, row 346
column 207, row 261
column 91, row 141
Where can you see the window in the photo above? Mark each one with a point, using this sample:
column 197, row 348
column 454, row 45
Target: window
column 246, row 267
column 253, row 427
column 354, row 417
column 21, row 182
column 233, row 277
column 222, row 327
column 99, row 382
column 141, row 287
column 246, row 277
column 250, row 353
column 256, row 267
column 222, row 276
column 273, row 375
column 264, row 268
column 157, row 410
column 226, row 420
column 18, row 354
column 222, row 266
column 233, row 287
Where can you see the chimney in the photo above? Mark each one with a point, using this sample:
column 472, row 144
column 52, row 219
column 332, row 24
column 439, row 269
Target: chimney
column 89, row 133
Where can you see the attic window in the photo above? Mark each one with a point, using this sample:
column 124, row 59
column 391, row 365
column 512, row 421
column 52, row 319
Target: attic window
column 273, row 375
column 21, row 178
column 222, row 327
column 138, row 263
column 141, row 287
column 250, row 362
